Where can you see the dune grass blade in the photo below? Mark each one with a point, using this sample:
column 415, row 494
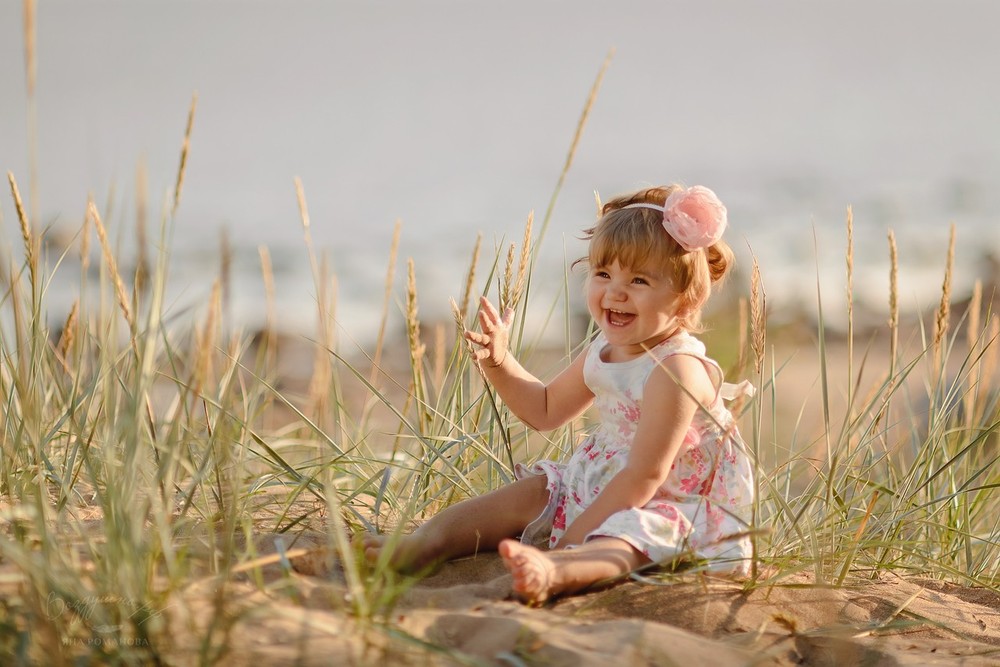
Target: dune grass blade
column 591, row 98
column 133, row 467
column 185, row 150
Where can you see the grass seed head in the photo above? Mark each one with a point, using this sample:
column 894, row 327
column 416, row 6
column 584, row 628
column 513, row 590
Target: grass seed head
column 942, row 318
column 758, row 325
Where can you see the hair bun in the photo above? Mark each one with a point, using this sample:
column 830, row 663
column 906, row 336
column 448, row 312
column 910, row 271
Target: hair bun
column 720, row 260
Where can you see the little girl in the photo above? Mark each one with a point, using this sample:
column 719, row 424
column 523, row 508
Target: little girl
column 665, row 473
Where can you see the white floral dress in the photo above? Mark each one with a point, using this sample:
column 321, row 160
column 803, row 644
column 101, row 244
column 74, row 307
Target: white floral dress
column 704, row 501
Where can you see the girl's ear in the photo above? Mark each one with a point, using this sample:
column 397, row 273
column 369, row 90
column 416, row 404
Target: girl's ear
column 684, row 310
column 682, row 307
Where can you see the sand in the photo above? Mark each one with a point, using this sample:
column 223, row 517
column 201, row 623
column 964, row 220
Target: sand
column 464, row 614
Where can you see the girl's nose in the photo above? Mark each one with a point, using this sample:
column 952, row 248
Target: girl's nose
column 616, row 291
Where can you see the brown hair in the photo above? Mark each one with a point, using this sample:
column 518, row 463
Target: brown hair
column 635, row 237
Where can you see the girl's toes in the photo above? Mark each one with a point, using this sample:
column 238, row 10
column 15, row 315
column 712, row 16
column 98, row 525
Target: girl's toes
column 370, row 546
column 530, row 569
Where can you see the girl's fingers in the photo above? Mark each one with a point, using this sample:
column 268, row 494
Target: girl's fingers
column 478, row 353
column 478, row 338
column 487, row 305
column 489, row 311
column 494, row 327
column 491, row 319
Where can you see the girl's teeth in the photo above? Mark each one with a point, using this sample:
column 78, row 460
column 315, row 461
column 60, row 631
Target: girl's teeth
column 619, row 319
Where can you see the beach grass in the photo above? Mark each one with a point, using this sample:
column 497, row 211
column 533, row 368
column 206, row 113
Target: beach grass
column 144, row 455
column 141, row 459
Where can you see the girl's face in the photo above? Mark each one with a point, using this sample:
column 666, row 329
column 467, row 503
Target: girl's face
column 634, row 307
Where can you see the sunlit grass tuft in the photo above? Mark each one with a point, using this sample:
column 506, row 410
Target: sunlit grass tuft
column 140, row 461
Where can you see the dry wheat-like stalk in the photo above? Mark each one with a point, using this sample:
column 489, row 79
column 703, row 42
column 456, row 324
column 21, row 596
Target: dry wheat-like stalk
column 322, row 375
column 225, row 277
column 267, row 273
column 440, row 355
column 457, row 315
column 459, row 318
column 744, row 328
column 850, row 294
column 185, row 149
column 893, row 302
column 470, row 281
column 85, row 241
column 206, row 340
column 30, row 244
column 30, row 63
column 893, row 326
column 68, row 336
column 300, row 196
column 116, row 278
column 991, row 354
column 600, row 206
column 507, row 284
column 973, row 336
column 3, row 267
column 141, row 207
column 973, row 332
column 390, row 276
column 758, row 325
column 942, row 318
column 31, row 77
column 331, row 310
column 850, row 312
column 417, row 348
column 522, row 263
column 322, row 367
column 574, row 144
column 20, row 334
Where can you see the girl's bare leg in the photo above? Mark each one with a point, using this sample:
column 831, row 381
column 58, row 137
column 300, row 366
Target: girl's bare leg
column 475, row 524
column 539, row 575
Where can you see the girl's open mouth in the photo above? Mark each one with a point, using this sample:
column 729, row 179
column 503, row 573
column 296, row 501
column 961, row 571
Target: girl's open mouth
column 619, row 319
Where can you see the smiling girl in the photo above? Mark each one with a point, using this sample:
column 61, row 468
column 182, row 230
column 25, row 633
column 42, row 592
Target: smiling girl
column 665, row 474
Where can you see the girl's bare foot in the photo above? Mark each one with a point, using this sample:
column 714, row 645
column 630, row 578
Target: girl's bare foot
column 539, row 575
column 536, row 575
column 408, row 553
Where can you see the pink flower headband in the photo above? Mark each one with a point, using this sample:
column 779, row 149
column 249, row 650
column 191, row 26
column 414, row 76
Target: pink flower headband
column 693, row 216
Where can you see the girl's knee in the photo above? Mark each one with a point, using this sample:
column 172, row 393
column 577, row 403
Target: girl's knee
column 532, row 495
column 538, row 488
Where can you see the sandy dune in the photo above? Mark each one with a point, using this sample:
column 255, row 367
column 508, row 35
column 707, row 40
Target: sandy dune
column 463, row 614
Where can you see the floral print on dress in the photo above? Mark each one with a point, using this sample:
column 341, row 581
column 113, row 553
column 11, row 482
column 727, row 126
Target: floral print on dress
column 701, row 509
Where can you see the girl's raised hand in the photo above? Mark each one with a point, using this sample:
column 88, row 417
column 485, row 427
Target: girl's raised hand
column 494, row 338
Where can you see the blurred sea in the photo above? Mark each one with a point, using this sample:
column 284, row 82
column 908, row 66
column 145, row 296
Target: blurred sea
column 455, row 118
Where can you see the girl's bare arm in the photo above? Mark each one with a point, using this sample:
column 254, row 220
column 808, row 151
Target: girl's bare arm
column 541, row 406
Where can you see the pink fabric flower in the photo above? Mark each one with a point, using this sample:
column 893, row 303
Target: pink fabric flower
column 694, row 217
column 689, row 484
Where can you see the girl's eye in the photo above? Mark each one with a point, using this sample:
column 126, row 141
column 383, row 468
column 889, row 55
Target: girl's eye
column 600, row 273
column 640, row 281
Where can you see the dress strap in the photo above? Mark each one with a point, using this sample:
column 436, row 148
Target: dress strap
column 685, row 343
column 731, row 392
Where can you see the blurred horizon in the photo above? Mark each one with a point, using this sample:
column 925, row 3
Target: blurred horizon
column 455, row 118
